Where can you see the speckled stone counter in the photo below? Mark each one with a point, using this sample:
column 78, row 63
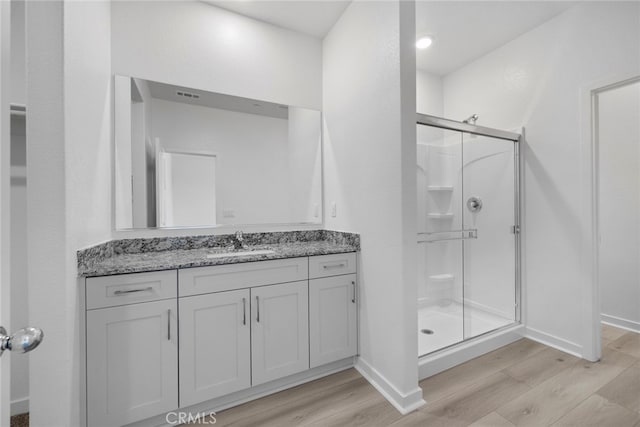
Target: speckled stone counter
column 154, row 254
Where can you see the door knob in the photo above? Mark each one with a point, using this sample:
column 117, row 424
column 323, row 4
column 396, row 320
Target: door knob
column 22, row 341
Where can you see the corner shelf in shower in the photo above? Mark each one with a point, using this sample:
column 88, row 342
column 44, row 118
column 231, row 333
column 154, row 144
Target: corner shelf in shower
column 440, row 188
column 441, row 278
column 440, row 215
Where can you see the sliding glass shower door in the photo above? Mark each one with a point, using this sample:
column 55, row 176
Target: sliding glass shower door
column 467, row 211
column 489, row 209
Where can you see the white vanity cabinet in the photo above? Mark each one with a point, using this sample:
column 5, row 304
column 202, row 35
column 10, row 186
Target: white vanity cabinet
column 333, row 333
column 165, row 341
column 132, row 348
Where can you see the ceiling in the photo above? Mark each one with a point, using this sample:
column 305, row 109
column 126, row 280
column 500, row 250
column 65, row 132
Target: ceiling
column 466, row 30
column 312, row 17
column 462, row 30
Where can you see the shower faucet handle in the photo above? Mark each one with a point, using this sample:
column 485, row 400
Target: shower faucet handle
column 474, row 204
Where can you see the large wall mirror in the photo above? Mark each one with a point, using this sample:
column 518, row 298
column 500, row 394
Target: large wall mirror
column 191, row 158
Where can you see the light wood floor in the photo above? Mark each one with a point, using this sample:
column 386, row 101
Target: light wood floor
column 522, row 384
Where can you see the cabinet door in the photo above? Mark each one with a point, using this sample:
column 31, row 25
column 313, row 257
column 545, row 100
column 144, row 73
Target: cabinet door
column 279, row 331
column 332, row 319
column 132, row 362
column 215, row 352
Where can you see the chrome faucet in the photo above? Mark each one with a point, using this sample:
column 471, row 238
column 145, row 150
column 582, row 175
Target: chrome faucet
column 238, row 241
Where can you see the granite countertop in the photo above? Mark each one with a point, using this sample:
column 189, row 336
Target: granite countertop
column 142, row 255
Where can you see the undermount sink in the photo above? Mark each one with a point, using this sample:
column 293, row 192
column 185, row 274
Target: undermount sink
column 241, row 253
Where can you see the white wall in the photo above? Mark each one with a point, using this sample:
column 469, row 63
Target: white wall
column 46, row 236
column 69, row 199
column 194, row 44
column 370, row 158
column 5, row 224
column 429, row 94
column 619, row 204
column 537, row 81
column 123, row 154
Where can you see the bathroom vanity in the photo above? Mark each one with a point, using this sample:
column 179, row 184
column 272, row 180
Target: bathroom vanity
column 202, row 329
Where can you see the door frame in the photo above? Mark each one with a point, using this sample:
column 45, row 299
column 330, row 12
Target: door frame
column 590, row 230
column 5, row 194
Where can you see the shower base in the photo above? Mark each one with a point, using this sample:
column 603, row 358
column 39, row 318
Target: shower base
column 449, row 326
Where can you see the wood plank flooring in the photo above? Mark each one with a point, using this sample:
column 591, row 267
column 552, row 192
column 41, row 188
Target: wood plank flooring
column 522, row 384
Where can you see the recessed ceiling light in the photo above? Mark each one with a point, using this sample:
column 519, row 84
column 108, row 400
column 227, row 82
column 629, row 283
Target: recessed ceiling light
column 424, row 42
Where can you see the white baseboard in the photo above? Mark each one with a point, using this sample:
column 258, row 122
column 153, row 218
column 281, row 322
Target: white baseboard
column 621, row 323
column 403, row 402
column 448, row 358
column 20, row 406
column 554, row 341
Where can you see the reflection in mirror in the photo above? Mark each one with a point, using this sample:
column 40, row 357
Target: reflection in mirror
column 191, row 158
column 187, row 190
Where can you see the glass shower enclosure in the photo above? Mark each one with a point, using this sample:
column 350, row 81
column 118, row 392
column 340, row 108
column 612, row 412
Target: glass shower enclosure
column 468, row 231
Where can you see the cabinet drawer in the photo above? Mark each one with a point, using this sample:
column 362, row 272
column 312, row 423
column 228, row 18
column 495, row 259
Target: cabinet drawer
column 111, row 291
column 332, row 265
column 218, row 278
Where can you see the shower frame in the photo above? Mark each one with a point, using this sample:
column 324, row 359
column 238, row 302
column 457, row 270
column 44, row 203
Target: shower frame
column 516, row 139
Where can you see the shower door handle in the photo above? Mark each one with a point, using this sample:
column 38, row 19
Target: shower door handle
column 438, row 236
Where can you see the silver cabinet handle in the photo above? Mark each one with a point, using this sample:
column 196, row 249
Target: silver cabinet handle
column 169, row 325
column 258, row 309
column 327, row 267
column 353, row 284
column 131, row 291
column 244, row 311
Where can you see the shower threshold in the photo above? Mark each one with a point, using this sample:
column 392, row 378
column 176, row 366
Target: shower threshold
column 455, row 354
